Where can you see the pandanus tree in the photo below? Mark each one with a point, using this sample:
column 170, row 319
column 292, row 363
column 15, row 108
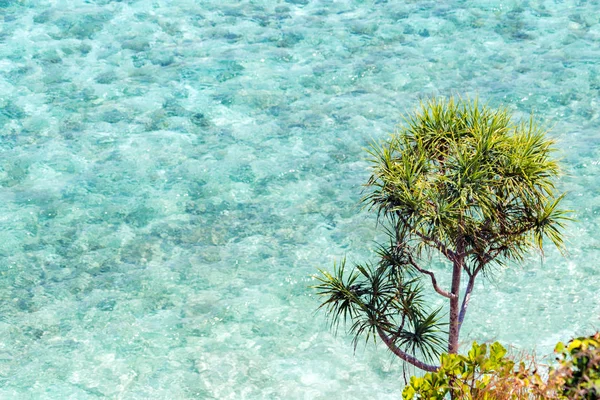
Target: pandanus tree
column 460, row 180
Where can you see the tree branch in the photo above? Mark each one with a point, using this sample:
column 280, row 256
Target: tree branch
column 501, row 237
column 488, row 257
column 465, row 302
column 493, row 253
column 467, row 296
column 403, row 355
column 438, row 245
column 432, row 276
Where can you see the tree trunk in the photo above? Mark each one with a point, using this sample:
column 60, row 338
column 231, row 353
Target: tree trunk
column 454, row 315
column 457, row 263
column 454, row 308
column 466, row 298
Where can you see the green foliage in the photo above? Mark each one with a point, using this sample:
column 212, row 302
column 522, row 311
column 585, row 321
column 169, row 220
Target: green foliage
column 483, row 375
column 461, row 170
column 479, row 375
column 458, row 179
column 579, row 370
column 377, row 297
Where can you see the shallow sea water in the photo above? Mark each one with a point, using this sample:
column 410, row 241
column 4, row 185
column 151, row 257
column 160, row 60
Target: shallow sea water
column 173, row 173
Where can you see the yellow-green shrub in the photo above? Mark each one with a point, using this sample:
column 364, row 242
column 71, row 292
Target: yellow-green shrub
column 491, row 375
column 578, row 374
column 480, row 375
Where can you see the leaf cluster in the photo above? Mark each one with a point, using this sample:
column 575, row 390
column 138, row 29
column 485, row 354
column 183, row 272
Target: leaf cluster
column 481, row 375
column 579, row 367
column 458, row 169
column 382, row 298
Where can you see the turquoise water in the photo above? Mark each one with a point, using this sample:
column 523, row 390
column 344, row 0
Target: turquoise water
column 173, row 172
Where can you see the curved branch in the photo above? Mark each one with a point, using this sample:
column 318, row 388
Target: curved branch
column 497, row 240
column 467, row 297
column 465, row 302
column 433, row 280
column 403, row 355
column 449, row 254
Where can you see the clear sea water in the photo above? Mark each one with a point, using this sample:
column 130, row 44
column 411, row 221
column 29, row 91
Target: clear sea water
column 173, row 172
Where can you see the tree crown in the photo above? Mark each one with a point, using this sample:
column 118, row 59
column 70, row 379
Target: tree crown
column 458, row 170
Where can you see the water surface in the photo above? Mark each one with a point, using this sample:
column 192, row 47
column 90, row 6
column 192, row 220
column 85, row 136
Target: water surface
column 173, row 172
